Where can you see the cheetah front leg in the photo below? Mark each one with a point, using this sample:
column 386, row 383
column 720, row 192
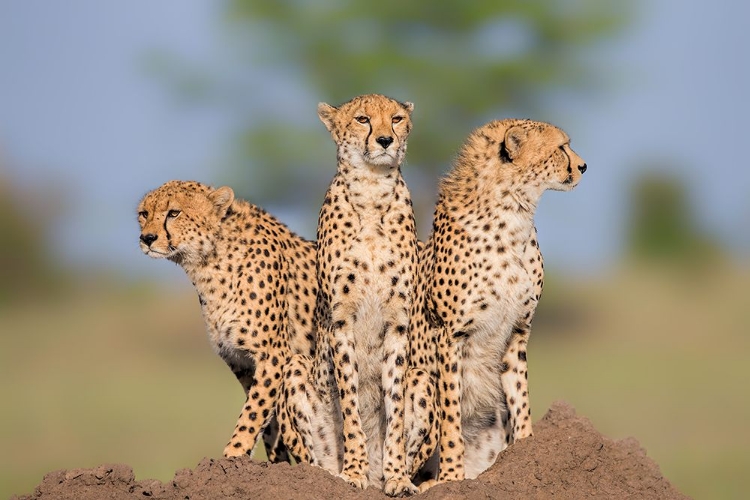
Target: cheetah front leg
column 397, row 480
column 355, row 464
column 262, row 393
column 514, row 378
column 245, row 376
column 515, row 372
column 273, row 444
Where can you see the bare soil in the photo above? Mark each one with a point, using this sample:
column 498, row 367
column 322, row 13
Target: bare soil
column 565, row 459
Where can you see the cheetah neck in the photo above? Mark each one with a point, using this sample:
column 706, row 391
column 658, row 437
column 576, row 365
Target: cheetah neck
column 370, row 189
column 489, row 184
column 222, row 262
column 504, row 207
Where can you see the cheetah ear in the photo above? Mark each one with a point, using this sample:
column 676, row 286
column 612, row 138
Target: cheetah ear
column 515, row 137
column 326, row 113
column 408, row 106
column 222, row 198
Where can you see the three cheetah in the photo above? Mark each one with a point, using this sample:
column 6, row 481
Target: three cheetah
column 482, row 274
column 371, row 349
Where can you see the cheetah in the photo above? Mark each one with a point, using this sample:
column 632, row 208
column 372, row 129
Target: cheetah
column 481, row 276
column 367, row 256
column 257, row 288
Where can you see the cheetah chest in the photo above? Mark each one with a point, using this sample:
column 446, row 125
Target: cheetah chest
column 500, row 299
column 377, row 278
column 223, row 331
column 504, row 286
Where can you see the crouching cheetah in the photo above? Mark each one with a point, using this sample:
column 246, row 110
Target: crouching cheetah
column 482, row 275
column 367, row 256
column 257, row 289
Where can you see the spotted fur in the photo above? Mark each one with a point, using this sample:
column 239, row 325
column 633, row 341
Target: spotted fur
column 257, row 286
column 367, row 256
column 482, row 277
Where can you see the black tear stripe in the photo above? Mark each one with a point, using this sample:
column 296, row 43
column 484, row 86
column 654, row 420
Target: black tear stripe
column 169, row 236
column 570, row 163
column 367, row 139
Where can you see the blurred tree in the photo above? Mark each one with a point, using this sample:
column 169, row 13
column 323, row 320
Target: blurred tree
column 26, row 269
column 663, row 228
column 461, row 63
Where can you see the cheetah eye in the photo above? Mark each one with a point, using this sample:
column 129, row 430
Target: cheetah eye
column 143, row 214
column 397, row 119
column 362, row 119
column 173, row 213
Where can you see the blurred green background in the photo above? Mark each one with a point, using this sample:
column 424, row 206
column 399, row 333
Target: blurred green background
column 644, row 320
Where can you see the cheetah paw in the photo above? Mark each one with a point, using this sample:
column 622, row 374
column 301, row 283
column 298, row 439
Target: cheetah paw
column 400, row 487
column 426, row 485
column 354, row 478
column 522, row 434
column 231, row 451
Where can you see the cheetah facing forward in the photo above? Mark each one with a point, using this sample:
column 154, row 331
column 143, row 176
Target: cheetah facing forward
column 257, row 288
column 483, row 278
column 367, row 251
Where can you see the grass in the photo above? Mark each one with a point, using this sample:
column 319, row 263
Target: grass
column 664, row 360
column 110, row 379
column 116, row 375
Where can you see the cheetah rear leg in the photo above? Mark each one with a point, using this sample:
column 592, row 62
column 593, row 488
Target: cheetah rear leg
column 484, row 444
column 258, row 408
column 312, row 422
column 289, row 429
column 274, row 445
column 515, row 383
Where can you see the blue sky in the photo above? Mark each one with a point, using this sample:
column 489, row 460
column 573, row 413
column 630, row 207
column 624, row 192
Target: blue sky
column 79, row 111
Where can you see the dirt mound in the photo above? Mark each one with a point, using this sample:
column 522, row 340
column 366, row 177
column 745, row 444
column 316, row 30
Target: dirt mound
column 565, row 459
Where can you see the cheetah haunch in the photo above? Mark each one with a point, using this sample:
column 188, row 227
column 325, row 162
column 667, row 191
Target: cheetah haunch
column 257, row 288
column 482, row 273
column 367, row 256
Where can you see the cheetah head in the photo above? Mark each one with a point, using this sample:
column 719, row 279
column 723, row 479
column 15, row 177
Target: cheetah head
column 370, row 130
column 539, row 154
column 180, row 220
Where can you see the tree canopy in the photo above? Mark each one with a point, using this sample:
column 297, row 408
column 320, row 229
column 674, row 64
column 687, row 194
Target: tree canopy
column 461, row 63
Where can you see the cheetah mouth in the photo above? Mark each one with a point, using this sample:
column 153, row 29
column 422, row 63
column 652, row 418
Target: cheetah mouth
column 157, row 254
column 568, row 184
column 382, row 158
column 154, row 253
column 571, row 180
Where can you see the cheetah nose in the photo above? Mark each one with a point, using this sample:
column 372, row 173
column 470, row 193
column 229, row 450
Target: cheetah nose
column 582, row 168
column 148, row 238
column 384, row 141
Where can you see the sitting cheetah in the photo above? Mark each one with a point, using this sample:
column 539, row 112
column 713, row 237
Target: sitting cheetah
column 367, row 255
column 256, row 286
column 482, row 275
